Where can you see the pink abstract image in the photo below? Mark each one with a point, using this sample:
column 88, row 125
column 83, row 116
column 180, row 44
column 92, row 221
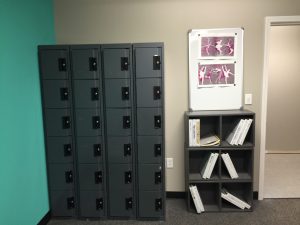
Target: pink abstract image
column 217, row 46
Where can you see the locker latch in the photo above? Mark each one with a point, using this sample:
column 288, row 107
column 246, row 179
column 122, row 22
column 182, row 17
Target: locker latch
column 67, row 150
column 125, row 93
column 69, row 176
column 96, row 122
column 93, row 64
column 127, row 149
column 99, row 203
column 158, row 204
column 128, row 177
column 124, row 63
column 156, row 92
column 158, row 177
column 64, row 94
column 156, row 62
column 66, row 122
column 97, row 150
column 71, row 203
column 157, row 121
column 128, row 203
column 157, row 150
column 126, row 122
column 62, row 64
column 98, row 177
column 95, row 94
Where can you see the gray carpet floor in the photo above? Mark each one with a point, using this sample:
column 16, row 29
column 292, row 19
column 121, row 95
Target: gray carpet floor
column 266, row 212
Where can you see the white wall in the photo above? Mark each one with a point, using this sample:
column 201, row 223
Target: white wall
column 283, row 107
column 168, row 21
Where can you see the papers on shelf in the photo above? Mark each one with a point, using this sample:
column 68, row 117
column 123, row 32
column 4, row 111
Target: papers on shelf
column 194, row 132
column 229, row 165
column 209, row 165
column 210, row 140
column 196, row 198
column 234, row 200
column 239, row 133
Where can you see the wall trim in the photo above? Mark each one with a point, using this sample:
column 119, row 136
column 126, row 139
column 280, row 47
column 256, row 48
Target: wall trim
column 175, row 194
column 282, row 151
column 45, row 219
column 269, row 21
column 255, row 195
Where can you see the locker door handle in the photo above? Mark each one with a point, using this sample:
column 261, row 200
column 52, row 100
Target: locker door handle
column 128, row 177
column 157, row 121
column 156, row 62
column 156, row 92
column 124, row 63
column 128, row 203
column 62, row 64
column 157, row 150
column 64, row 94
column 125, row 93
column 98, row 177
column 96, row 122
column 126, row 122
column 67, row 150
column 95, row 94
column 71, row 203
column 93, row 64
column 69, row 176
column 99, row 203
column 158, row 177
column 127, row 149
column 158, row 204
column 97, row 150
column 66, row 122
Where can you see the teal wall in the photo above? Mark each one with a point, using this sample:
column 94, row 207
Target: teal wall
column 23, row 180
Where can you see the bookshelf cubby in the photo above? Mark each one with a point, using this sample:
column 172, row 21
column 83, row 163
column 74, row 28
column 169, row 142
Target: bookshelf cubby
column 220, row 123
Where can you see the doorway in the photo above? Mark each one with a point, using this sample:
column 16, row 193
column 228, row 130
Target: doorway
column 280, row 152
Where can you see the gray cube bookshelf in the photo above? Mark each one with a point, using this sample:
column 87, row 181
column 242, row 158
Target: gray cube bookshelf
column 220, row 123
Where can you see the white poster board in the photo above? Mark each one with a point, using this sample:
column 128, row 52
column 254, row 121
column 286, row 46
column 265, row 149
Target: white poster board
column 215, row 69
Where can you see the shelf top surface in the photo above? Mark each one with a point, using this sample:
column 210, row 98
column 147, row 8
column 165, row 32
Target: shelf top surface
column 219, row 113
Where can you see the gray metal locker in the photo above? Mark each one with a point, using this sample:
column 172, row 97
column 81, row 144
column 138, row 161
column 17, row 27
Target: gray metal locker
column 63, row 203
column 149, row 121
column 91, row 176
column 119, row 149
column 60, row 150
column 87, row 93
column 90, row 149
column 150, row 177
column 57, row 94
column 58, row 122
column 92, row 203
column 121, row 176
column 150, row 149
column 119, row 122
column 61, row 176
column 151, row 204
column 149, row 92
column 122, row 203
column 85, row 63
column 118, row 93
column 88, row 122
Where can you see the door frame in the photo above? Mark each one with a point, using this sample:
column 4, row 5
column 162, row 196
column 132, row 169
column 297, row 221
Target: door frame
column 269, row 21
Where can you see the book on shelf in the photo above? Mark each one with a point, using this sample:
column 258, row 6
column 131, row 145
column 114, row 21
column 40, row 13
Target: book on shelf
column 194, row 132
column 238, row 134
column 229, row 165
column 208, row 167
column 196, row 198
column 234, row 200
column 210, row 140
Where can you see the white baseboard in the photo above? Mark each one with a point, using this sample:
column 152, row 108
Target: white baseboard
column 282, row 151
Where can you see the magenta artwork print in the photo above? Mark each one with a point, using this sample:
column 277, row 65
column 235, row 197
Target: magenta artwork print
column 215, row 74
column 217, row 46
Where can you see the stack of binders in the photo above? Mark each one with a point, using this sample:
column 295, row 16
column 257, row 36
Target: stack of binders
column 239, row 133
column 234, row 200
column 229, row 165
column 194, row 132
column 209, row 165
column 196, row 198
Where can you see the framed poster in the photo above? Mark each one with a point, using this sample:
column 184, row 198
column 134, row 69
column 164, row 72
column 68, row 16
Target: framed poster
column 215, row 69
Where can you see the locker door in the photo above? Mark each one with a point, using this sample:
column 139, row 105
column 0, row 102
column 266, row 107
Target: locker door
column 151, row 204
column 85, row 63
column 89, row 149
column 58, row 122
column 121, row 203
column 150, row 149
column 54, row 64
column 118, row 93
column 149, row 121
column 149, row 92
column 148, row 62
column 121, row 176
column 119, row 122
column 62, row 176
column 91, row 176
column 119, row 149
column 116, row 63
column 150, row 177
column 88, row 122
column 92, row 204
column 63, row 203
column 56, row 94
column 87, row 93
column 59, row 150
